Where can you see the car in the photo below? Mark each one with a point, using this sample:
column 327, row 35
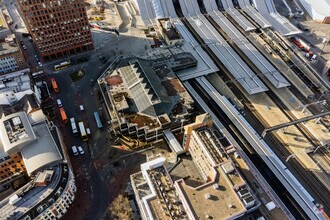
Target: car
column 24, row 47
column 16, row 26
column 30, row 38
column 59, row 103
column 39, row 64
column 88, row 131
column 81, row 107
column 74, row 150
column 36, row 57
column 313, row 57
column 81, row 150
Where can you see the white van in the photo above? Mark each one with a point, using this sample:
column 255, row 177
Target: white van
column 74, row 150
column 59, row 103
column 81, row 151
column 88, row 131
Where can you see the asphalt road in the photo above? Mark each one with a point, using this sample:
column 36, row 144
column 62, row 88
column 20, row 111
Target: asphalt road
column 93, row 185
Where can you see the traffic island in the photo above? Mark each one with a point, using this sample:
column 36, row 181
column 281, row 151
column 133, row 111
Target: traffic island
column 76, row 76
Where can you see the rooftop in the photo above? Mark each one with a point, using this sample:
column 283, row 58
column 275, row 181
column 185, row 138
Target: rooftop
column 30, row 135
column 18, row 81
column 146, row 92
column 156, row 195
column 16, row 132
column 213, row 195
column 169, row 29
column 32, row 199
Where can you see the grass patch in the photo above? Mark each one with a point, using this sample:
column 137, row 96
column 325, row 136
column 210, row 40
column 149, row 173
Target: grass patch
column 75, row 76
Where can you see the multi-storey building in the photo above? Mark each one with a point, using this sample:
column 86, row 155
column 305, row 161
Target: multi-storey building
column 36, row 182
column 220, row 193
column 58, row 28
column 11, row 56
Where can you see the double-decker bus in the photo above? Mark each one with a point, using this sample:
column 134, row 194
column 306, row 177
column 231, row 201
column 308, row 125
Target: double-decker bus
column 54, row 85
column 98, row 120
column 82, row 131
column 62, row 65
column 63, row 115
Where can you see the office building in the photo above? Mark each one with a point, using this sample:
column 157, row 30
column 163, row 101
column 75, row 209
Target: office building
column 58, row 28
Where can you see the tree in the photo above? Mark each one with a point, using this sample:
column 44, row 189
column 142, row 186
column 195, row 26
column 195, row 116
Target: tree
column 119, row 209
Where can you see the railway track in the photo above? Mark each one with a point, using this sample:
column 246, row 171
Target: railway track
column 308, row 135
column 225, row 74
column 248, row 149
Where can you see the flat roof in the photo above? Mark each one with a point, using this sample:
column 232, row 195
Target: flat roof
column 222, row 202
column 16, row 132
column 30, row 135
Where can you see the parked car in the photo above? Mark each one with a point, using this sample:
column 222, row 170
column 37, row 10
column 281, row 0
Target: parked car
column 39, row 64
column 74, row 150
column 81, row 107
column 59, row 103
column 24, row 47
column 88, row 131
column 81, row 150
column 313, row 57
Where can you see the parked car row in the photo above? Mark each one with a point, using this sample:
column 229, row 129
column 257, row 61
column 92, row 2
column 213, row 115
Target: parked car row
column 79, row 149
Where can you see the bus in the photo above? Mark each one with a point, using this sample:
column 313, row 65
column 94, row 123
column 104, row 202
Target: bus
column 98, row 120
column 82, row 131
column 37, row 75
column 74, row 127
column 62, row 65
column 63, row 115
column 54, row 85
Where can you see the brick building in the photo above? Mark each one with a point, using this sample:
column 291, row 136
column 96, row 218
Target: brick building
column 58, row 28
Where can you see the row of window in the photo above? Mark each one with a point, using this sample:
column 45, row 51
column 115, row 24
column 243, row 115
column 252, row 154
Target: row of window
column 47, row 23
column 60, row 208
column 75, row 29
column 52, row 43
column 9, row 70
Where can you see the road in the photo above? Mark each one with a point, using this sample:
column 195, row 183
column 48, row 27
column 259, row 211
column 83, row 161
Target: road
column 95, row 187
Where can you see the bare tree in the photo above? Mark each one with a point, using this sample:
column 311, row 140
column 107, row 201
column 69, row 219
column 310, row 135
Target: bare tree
column 120, row 209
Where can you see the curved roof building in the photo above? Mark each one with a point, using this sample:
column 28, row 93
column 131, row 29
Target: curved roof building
column 319, row 10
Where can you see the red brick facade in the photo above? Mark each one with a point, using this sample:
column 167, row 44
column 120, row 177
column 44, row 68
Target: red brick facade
column 59, row 28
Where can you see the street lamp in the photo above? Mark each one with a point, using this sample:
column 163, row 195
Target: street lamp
column 294, row 155
column 182, row 121
column 323, row 102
